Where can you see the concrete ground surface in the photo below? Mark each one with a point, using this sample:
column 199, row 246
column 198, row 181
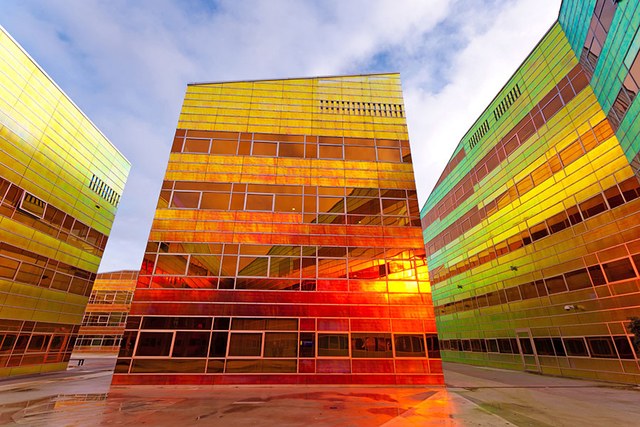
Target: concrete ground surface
column 474, row 396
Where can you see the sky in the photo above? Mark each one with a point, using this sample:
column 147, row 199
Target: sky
column 126, row 64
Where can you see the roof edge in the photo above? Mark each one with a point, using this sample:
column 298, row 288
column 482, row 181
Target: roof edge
column 293, row 78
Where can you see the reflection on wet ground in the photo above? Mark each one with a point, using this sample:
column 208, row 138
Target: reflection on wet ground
column 474, row 397
column 53, row 411
column 83, row 396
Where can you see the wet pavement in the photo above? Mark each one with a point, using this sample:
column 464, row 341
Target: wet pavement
column 473, row 397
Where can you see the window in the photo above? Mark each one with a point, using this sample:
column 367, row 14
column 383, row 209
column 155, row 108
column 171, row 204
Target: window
column 291, row 150
column 389, row 155
column 245, row 344
column 253, row 266
column 267, row 149
column 544, row 346
column 504, row 345
column 32, row 205
column 281, row 344
column 624, row 348
column 525, row 345
column 597, row 34
column 558, row 222
column 558, row 347
column 538, row 231
column 371, row 345
column 221, row 323
column 330, row 152
column 221, row 146
column 593, row 206
column 614, row 197
column 191, row 344
column 333, row 345
column 288, row 203
column 578, row 279
column 576, row 347
column 528, row 290
column 513, row 294
column 307, row 344
column 596, row 275
column 555, row 284
column 409, row 346
column 185, row 200
column 171, row 264
column 218, row 347
column 492, row 346
column 196, row 145
column 601, row 347
column 154, row 343
column 619, row 270
column 360, row 153
column 259, row 202
column 215, row 201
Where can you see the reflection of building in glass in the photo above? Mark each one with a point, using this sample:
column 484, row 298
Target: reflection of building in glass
column 533, row 230
column 60, row 184
column 286, row 245
column 106, row 314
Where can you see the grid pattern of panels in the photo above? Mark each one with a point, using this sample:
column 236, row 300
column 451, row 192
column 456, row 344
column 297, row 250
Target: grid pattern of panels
column 285, row 250
column 239, row 345
column 605, row 34
column 27, row 346
column 537, row 266
column 54, row 227
column 542, row 81
column 106, row 314
column 298, row 107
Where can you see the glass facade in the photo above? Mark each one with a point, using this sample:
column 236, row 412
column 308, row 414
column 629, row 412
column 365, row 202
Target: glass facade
column 286, row 245
column 532, row 232
column 106, row 314
column 60, row 184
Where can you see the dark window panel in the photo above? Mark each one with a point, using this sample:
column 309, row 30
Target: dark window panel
column 576, row 347
column 409, row 345
column 280, row 344
column 154, row 343
column 602, row 347
column 578, row 279
column 307, row 344
column 619, row 270
column 191, row 344
column 544, row 346
column 625, row 350
column 218, row 347
column 333, row 345
column 245, row 344
column 555, row 284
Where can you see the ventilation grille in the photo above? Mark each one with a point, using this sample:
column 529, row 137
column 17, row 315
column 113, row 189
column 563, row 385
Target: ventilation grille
column 508, row 100
column 478, row 134
column 361, row 108
column 104, row 191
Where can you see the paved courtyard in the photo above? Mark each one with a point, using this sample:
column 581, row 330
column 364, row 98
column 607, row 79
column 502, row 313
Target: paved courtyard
column 473, row 397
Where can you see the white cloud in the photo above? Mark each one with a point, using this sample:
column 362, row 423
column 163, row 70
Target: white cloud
column 438, row 120
column 126, row 64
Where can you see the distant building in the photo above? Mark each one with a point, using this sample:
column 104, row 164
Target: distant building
column 533, row 230
column 60, row 184
column 106, row 314
column 286, row 245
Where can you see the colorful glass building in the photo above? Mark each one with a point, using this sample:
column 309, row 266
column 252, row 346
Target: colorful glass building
column 533, row 229
column 286, row 245
column 106, row 313
column 60, row 184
